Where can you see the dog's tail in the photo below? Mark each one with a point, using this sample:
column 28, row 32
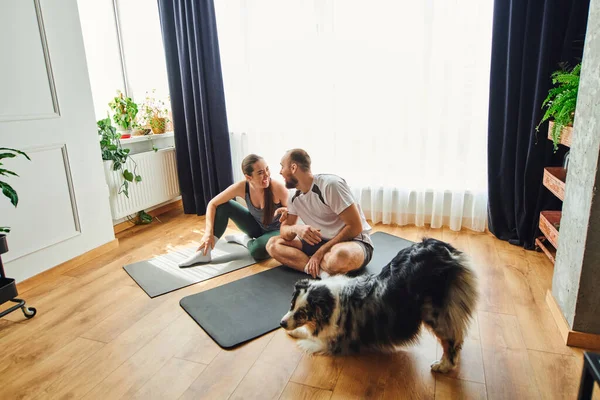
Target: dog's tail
column 450, row 317
column 462, row 298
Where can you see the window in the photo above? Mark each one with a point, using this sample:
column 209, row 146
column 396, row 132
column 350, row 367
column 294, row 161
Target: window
column 124, row 50
column 392, row 96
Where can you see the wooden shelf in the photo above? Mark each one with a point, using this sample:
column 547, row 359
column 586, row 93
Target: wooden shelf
column 549, row 225
column 547, row 248
column 565, row 135
column 554, row 180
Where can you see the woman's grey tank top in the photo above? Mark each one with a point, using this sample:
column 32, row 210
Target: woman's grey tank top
column 258, row 213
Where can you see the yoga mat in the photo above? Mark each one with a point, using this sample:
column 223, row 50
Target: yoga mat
column 250, row 307
column 162, row 275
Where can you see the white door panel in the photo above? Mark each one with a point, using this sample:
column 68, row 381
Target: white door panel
column 48, row 175
column 46, row 110
column 30, row 93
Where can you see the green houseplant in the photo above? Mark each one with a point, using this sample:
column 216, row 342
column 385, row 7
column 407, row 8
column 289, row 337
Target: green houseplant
column 8, row 288
column 561, row 101
column 8, row 190
column 125, row 110
column 155, row 113
column 113, row 151
column 141, row 218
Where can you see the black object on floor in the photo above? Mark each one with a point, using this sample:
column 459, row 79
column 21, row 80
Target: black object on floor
column 250, row 307
column 8, row 288
column 589, row 375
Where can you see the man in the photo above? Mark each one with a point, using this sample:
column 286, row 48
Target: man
column 335, row 239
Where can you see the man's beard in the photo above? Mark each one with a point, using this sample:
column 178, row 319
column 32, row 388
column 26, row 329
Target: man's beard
column 291, row 183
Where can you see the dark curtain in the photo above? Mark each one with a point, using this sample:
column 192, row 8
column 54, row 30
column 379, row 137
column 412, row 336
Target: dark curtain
column 189, row 32
column 530, row 40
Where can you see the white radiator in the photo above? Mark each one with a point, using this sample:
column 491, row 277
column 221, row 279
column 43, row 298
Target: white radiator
column 159, row 182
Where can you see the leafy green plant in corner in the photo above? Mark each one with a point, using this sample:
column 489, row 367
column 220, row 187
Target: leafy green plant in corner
column 8, row 190
column 125, row 110
column 113, row 151
column 142, row 218
column 561, row 101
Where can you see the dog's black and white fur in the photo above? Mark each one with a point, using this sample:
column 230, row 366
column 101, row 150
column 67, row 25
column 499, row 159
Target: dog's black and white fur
column 429, row 282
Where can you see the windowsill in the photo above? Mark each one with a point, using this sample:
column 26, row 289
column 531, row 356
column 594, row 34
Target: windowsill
column 136, row 139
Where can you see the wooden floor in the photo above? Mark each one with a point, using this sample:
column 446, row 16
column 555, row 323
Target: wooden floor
column 97, row 335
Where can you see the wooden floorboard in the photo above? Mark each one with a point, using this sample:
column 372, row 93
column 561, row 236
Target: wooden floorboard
column 97, row 335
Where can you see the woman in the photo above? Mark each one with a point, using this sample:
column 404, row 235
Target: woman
column 259, row 221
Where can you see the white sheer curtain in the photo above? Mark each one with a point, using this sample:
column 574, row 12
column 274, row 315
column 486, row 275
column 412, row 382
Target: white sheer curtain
column 392, row 95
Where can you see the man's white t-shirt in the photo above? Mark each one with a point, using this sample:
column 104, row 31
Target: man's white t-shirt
column 320, row 207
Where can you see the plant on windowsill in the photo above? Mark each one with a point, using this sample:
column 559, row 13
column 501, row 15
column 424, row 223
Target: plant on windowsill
column 125, row 111
column 113, row 151
column 561, row 102
column 155, row 112
column 8, row 190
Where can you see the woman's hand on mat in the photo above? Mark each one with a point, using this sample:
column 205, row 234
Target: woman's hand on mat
column 313, row 267
column 284, row 214
column 309, row 234
column 207, row 243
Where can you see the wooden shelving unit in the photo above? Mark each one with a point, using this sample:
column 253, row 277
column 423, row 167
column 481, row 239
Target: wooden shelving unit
column 565, row 135
column 549, row 225
column 554, row 179
column 547, row 248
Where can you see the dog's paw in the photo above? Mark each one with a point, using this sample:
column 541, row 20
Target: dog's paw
column 444, row 365
column 310, row 346
column 298, row 333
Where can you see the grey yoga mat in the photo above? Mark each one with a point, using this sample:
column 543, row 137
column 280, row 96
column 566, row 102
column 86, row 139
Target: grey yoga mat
column 250, row 307
column 162, row 274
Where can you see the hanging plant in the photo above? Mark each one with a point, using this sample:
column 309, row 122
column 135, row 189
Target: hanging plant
column 112, row 150
column 8, row 190
column 561, row 101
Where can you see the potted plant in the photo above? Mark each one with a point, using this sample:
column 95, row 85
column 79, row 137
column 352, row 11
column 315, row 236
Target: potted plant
column 125, row 111
column 112, row 150
column 155, row 113
column 141, row 218
column 8, row 288
column 8, row 190
column 560, row 103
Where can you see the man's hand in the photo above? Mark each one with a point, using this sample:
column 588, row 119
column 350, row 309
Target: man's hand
column 284, row 214
column 309, row 234
column 207, row 243
column 313, row 266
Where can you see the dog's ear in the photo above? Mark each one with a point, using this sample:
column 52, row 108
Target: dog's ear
column 321, row 302
column 298, row 287
column 302, row 284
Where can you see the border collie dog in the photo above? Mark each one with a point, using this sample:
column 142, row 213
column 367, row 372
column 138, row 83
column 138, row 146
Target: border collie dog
column 429, row 282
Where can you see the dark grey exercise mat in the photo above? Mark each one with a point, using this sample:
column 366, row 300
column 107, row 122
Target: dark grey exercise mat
column 162, row 274
column 250, row 307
